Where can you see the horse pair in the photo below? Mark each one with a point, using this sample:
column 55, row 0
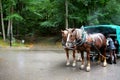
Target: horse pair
column 67, row 49
column 80, row 40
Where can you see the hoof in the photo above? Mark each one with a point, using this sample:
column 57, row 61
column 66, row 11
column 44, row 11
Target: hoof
column 88, row 68
column 68, row 63
column 79, row 59
column 82, row 67
column 74, row 64
column 104, row 64
column 98, row 62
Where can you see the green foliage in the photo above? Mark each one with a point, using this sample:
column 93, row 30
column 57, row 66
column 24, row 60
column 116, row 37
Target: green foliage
column 14, row 16
column 47, row 24
column 47, row 17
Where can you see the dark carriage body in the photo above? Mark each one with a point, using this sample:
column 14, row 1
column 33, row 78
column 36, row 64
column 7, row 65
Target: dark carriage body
column 113, row 30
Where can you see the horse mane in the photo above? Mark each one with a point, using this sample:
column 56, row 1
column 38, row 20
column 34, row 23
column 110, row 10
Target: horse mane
column 78, row 33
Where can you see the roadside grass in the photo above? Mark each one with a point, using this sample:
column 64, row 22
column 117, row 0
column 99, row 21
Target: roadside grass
column 48, row 41
column 14, row 44
column 42, row 42
column 3, row 43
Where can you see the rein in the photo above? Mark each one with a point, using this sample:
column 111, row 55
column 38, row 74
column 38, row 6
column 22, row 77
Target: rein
column 70, row 48
column 99, row 51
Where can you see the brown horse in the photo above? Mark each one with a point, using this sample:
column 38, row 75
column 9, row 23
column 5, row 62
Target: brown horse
column 71, row 47
column 87, row 42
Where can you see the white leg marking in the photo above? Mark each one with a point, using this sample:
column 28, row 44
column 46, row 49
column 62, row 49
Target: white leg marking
column 88, row 68
column 104, row 63
column 82, row 66
column 74, row 63
column 79, row 57
column 68, row 63
column 67, row 44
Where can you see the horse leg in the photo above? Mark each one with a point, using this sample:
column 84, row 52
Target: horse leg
column 67, row 55
column 111, row 54
column 82, row 62
column 74, row 60
column 114, row 54
column 88, row 61
column 79, row 56
column 99, row 59
column 104, row 57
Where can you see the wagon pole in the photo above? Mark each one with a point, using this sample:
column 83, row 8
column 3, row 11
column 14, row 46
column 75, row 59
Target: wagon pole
column 99, row 52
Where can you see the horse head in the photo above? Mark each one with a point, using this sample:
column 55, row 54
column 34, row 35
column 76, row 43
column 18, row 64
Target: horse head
column 75, row 36
column 64, row 34
column 71, row 37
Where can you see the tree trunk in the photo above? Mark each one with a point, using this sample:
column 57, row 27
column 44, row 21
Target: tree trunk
column 10, row 24
column 3, row 27
column 11, row 28
column 66, row 14
column 8, row 29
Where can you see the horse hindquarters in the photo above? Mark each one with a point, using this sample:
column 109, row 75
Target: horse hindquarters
column 103, row 49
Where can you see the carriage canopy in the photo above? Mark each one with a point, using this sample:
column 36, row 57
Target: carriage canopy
column 105, row 29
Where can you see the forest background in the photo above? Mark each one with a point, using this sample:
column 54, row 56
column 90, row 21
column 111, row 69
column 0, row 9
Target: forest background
column 37, row 20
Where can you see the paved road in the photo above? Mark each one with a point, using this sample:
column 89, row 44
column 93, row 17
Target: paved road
column 50, row 65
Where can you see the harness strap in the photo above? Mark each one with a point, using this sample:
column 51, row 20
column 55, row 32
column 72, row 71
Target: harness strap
column 92, row 43
column 99, row 51
column 80, row 42
column 64, row 45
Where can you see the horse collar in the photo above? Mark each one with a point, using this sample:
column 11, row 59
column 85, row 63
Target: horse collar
column 83, row 37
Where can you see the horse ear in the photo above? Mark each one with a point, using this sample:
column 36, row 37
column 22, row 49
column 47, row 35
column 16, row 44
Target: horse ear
column 73, row 29
column 62, row 31
column 82, row 27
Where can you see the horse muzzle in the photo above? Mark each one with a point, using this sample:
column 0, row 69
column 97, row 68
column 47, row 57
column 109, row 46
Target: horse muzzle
column 70, row 44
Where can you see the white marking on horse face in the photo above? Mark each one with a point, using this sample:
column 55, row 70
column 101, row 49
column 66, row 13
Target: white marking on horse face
column 68, row 40
column 65, row 32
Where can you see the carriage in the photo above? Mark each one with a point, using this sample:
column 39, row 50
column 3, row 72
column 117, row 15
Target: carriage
column 112, row 30
column 84, row 40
